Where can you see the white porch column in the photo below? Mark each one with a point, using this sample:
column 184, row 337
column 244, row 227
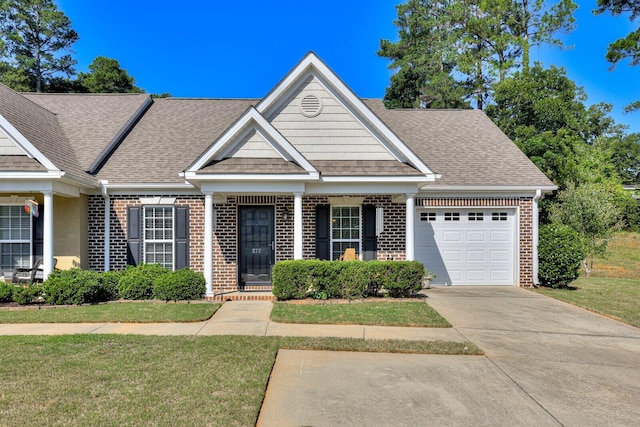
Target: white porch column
column 107, row 232
column 208, row 242
column 47, row 249
column 297, row 226
column 410, row 224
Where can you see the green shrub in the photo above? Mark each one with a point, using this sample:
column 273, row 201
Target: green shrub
column 560, row 252
column 27, row 294
column 6, row 292
column 74, row 286
column 109, row 285
column 402, row 279
column 345, row 279
column 136, row 283
column 291, row 279
column 179, row 285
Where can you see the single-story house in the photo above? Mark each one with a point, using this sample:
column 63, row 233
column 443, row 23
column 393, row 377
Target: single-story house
column 230, row 186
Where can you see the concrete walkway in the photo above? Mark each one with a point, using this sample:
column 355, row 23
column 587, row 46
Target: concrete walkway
column 236, row 318
column 546, row 363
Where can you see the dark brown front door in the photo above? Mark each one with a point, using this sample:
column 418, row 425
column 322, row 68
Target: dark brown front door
column 256, row 245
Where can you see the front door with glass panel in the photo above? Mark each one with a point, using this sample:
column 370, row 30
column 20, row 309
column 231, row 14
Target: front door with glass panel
column 256, row 245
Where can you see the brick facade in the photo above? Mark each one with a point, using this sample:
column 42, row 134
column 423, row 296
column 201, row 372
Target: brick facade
column 391, row 242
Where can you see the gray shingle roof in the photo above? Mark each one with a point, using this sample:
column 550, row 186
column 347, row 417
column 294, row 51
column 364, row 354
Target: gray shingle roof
column 169, row 137
column 465, row 146
column 253, row 166
column 42, row 129
column 20, row 164
column 89, row 121
column 364, row 168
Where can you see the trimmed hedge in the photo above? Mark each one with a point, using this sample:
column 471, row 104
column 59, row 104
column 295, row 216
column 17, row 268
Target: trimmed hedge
column 179, row 285
column 136, row 283
column 560, row 252
column 74, row 286
column 345, row 279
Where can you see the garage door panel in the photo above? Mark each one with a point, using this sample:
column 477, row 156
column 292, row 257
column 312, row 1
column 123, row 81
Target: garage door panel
column 452, row 236
column 474, row 249
column 498, row 236
column 476, row 236
column 476, row 256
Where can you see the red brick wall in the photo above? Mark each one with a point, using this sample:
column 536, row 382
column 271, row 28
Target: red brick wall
column 391, row 242
column 525, row 205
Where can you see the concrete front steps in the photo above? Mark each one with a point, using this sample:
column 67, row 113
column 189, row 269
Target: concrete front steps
column 246, row 295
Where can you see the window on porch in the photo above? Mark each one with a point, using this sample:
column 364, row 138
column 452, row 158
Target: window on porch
column 345, row 230
column 15, row 238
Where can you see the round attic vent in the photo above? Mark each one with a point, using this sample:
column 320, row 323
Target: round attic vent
column 310, row 105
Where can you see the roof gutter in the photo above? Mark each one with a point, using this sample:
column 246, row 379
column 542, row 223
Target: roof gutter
column 119, row 137
column 534, row 237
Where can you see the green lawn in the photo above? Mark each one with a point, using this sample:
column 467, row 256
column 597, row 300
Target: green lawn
column 137, row 312
column 365, row 313
column 123, row 380
column 614, row 286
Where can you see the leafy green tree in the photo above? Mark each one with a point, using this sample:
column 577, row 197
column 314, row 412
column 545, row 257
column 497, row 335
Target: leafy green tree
column 538, row 24
column 38, row 37
column 625, row 154
column 543, row 112
column 627, row 47
column 106, row 76
column 424, row 57
column 591, row 210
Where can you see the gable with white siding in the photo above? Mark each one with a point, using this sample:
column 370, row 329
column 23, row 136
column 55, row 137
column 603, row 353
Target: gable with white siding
column 8, row 147
column 333, row 133
column 253, row 145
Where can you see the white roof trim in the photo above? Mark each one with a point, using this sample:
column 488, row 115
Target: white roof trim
column 413, row 179
column 32, row 175
column 283, row 147
column 311, row 176
column 489, row 188
column 26, row 146
column 312, row 61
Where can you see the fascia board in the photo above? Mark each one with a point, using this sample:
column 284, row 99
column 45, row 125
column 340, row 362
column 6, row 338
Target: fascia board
column 311, row 60
column 486, row 188
column 250, row 177
column 375, row 179
column 25, row 145
column 145, row 186
column 51, row 174
column 336, row 188
column 253, row 187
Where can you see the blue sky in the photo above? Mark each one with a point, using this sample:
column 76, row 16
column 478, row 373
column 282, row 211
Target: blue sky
column 223, row 49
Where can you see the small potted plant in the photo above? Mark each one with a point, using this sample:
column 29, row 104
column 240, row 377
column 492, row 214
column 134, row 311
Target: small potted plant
column 427, row 278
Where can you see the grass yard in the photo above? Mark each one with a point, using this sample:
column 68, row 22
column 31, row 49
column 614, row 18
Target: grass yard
column 356, row 313
column 138, row 380
column 614, row 286
column 135, row 312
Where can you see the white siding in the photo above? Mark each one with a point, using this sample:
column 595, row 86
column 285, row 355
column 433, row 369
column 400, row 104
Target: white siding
column 8, row 147
column 335, row 134
column 255, row 146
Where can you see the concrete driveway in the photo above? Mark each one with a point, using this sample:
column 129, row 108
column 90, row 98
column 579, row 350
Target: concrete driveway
column 546, row 363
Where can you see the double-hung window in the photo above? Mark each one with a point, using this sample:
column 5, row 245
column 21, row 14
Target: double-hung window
column 15, row 238
column 345, row 230
column 158, row 236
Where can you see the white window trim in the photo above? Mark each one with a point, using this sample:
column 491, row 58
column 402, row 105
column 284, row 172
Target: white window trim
column 172, row 240
column 22, row 241
column 345, row 240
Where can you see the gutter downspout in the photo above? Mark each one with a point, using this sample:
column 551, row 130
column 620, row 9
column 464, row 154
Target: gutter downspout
column 534, row 221
column 107, row 224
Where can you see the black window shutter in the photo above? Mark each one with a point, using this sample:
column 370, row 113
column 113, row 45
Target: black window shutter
column 182, row 237
column 369, row 241
column 134, row 235
column 323, row 241
column 38, row 233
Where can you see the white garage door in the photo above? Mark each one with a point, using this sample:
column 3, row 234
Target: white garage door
column 467, row 246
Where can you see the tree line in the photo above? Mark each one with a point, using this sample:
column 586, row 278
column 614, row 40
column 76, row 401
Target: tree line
column 475, row 53
column 36, row 40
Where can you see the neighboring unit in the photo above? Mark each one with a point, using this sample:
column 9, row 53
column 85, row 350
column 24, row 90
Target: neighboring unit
column 228, row 187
